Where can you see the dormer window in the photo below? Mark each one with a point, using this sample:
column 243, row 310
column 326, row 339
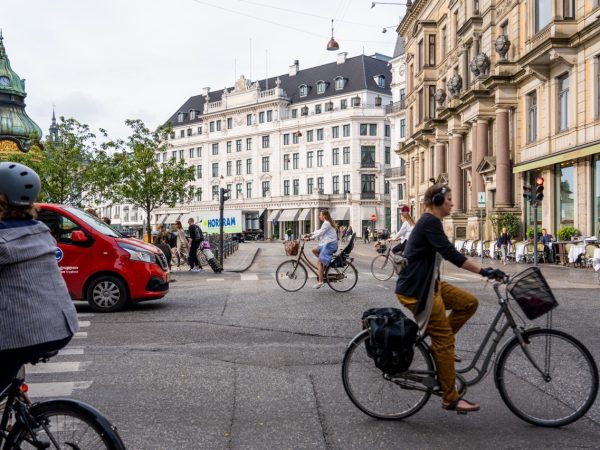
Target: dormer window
column 380, row 80
column 180, row 117
column 192, row 114
column 303, row 90
column 321, row 86
column 340, row 83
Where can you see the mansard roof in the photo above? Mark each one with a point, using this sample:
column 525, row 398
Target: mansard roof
column 360, row 73
column 399, row 48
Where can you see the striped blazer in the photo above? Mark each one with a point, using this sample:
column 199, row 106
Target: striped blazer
column 35, row 305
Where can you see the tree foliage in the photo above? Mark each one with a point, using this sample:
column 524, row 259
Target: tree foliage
column 508, row 220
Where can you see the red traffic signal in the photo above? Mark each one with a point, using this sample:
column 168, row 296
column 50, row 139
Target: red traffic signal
column 539, row 188
column 539, row 181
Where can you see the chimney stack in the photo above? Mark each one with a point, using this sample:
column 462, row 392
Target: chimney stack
column 205, row 91
column 294, row 68
column 342, row 57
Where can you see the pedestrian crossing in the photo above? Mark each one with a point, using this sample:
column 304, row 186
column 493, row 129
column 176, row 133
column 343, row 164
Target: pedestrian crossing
column 66, row 373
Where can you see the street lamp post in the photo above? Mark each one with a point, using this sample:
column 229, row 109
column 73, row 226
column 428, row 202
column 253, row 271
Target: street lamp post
column 224, row 195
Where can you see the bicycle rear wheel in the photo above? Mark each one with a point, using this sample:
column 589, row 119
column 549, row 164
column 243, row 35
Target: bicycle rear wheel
column 563, row 394
column 341, row 279
column 381, row 396
column 67, row 424
column 382, row 268
column 291, row 276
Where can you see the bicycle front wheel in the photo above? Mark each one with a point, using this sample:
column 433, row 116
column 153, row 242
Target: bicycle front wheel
column 67, row 424
column 341, row 279
column 291, row 276
column 382, row 268
column 561, row 394
column 382, row 396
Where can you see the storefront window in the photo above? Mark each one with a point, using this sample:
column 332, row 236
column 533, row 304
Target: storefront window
column 565, row 198
column 596, row 197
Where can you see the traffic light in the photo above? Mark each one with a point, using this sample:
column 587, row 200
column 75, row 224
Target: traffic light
column 539, row 189
column 225, row 195
column 527, row 193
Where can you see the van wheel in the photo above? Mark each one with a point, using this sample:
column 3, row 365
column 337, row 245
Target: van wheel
column 107, row 294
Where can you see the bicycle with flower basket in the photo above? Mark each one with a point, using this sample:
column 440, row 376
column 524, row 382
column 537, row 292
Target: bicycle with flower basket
column 340, row 273
column 544, row 376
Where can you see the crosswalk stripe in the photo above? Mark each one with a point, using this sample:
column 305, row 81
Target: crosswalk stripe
column 71, row 351
column 215, row 279
column 249, row 277
column 54, row 367
column 85, row 314
column 59, row 389
column 80, row 335
column 84, row 323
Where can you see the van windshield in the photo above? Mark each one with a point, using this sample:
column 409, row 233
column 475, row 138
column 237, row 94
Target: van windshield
column 94, row 222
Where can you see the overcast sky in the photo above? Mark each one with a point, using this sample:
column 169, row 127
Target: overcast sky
column 105, row 61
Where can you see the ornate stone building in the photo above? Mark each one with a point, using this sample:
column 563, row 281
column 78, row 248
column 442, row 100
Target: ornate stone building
column 499, row 92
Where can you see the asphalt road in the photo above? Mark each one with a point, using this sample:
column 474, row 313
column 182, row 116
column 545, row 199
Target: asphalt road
column 231, row 361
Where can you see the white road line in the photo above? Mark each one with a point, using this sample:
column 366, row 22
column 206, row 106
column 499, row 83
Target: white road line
column 85, row 314
column 84, row 323
column 55, row 367
column 215, row 279
column 80, row 335
column 56, row 389
column 384, row 287
column 71, row 351
column 249, row 277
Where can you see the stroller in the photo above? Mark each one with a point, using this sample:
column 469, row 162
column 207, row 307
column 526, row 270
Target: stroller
column 210, row 257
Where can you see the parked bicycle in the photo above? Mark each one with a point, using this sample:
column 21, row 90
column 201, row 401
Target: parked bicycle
column 382, row 266
column 55, row 424
column 544, row 376
column 340, row 273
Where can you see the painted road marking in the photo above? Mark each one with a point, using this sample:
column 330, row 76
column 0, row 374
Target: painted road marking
column 71, row 351
column 84, row 323
column 80, row 335
column 54, row 367
column 249, row 277
column 56, row 389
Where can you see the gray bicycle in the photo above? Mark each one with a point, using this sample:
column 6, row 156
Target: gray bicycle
column 545, row 376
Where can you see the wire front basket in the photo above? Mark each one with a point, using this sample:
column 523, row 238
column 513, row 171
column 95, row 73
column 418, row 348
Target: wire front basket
column 531, row 291
column 291, row 247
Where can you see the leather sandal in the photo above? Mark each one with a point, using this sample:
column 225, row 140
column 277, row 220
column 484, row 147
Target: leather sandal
column 457, row 358
column 466, row 406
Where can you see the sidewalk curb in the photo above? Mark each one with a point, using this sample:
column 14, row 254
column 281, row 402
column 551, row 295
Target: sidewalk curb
column 247, row 267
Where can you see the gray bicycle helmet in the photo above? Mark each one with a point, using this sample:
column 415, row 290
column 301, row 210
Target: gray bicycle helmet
column 19, row 183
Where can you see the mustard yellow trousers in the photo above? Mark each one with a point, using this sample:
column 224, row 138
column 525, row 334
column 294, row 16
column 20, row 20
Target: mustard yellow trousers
column 442, row 328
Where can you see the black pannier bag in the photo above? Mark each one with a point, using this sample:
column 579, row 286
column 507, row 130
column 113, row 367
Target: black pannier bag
column 392, row 337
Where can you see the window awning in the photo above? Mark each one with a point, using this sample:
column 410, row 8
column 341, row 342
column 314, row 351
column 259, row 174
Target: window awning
column 184, row 219
column 340, row 213
column 367, row 213
column 304, row 214
column 289, row 215
column 274, row 214
column 171, row 218
column 558, row 158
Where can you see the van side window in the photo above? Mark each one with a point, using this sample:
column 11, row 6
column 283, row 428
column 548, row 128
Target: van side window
column 61, row 228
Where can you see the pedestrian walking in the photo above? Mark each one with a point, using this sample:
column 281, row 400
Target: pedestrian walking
column 195, row 240
column 366, row 234
column 182, row 246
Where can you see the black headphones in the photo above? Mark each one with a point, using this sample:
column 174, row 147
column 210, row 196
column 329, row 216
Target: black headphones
column 439, row 198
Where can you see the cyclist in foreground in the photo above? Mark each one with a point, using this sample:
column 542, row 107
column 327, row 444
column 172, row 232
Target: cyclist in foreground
column 327, row 246
column 421, row 291
column 37, row 313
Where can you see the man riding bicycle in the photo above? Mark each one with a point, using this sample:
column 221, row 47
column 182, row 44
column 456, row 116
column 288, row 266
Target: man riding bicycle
column 421, row 291
column 36, row 311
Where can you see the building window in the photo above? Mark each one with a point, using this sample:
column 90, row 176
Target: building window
column 367, row 185
column 531, row 117
column 420, row 56
column 344, row 103
column 565, row 199
column 248, row 166
column 286, row 162
column 229, row 146
column 309, row 159
column 303, row 90
column 569, row 9
column 164, row 156
column 215, row 149
column 215, row 192
column 320, row 185
column 346, row 184
column 270, row 115
column 444, row 42
column 180, row 117
column 381, row 81
column 248, row 143
column 355, row 101
column 596, row 196
column 542, row 14
column 238, row 145
column 421, row 105
column 335, row 132
column 199, row 152
column 294, row 113
column 248, row 119
column 238, row 190
column 335, row 156
column 304, row 111
column 597, row 82
column 238, row 167
column 265, row 164
column 215, row 170
column 563, row 102
column 321, row 87
column 367, row 156
column 198, row 171
column 413, row 173
column 346, row 130
column 431, row 102
column 296, row 161
column 218, row 125
column 335, row 183
column 320, row 158
column 181, row 133
column 402, row 128
column 190, row 153
column 386, row 187
column 309, row 136
column 386, row 130
column 422, row 165
column 296, row 187
column 378, row 100
column 346, row 155
column 181, row 155
column 372, row 129
column 229, row 123
column 317, row 109
column 295, row 138
column 228, row 168
column 199, row 194
column 309, row 186
column 431, row 50
column 388, row 155
column 261, row 117
column 320, row 134
column 329, row 106
column 340, row 83
column 286, row 187
column 248, row 190
column 189, row 131
column 286, row 139
column 266, row 188
column 402, row 97
column 364, row 129
column 199, row 130
column 400, row 189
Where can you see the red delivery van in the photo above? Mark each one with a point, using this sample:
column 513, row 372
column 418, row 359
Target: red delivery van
column 101, row 265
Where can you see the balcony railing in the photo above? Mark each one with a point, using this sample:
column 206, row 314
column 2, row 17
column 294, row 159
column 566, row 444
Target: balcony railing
column 367, row 195
column 395, row 107
column 395, row 172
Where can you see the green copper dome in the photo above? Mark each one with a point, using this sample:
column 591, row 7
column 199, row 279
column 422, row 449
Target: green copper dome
column 15, row 124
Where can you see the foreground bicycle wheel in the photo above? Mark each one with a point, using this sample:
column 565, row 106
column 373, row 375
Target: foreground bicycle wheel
column 291, row 276
column 67, row 424
column 379, row 395
column 382, row 268
column 341, row 279
column 563, row 394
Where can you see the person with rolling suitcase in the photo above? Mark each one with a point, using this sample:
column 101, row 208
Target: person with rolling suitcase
column 210, row 257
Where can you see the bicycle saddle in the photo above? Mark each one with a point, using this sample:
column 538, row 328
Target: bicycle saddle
column 44, row 357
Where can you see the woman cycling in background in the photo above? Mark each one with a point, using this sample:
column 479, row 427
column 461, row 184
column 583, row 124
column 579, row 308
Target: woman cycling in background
column 328, row 244
column 404, row 232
